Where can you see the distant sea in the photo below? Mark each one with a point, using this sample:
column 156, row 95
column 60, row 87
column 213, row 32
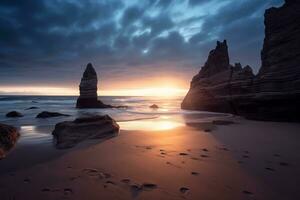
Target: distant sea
column 138, row 115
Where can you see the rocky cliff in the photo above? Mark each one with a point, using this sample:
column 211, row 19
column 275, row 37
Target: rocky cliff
column 274, row 93
column 88, row 90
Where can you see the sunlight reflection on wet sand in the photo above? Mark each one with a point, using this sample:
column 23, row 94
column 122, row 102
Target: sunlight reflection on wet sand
column 150, row 125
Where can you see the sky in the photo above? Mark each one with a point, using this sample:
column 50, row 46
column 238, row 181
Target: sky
column 136, row 46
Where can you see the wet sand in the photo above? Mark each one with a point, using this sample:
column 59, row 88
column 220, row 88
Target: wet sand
column 245, row 160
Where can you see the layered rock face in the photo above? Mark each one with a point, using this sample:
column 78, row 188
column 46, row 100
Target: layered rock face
column 213, row 88
column 69, row 133
column 88, row 90
column 273, row 94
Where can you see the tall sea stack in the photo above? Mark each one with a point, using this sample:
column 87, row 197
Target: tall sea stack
column 274, row 93
column 88, row 90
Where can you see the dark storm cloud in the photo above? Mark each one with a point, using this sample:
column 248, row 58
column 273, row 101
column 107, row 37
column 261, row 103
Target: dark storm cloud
column 55, row 38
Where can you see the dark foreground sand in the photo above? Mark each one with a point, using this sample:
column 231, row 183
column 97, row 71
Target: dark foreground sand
column 246, row 160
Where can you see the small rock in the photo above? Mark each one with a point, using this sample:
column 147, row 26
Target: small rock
column 14, row 114
column 154, row 106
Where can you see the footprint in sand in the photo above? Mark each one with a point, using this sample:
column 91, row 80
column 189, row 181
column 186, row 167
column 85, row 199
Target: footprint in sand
column 135, row 190
column 26, row 180
column 125, row 180
column 104, row 175
column 183, row 154
column 74, row 178
column 204, row 156
column 149, row 186
column 91, row 172
column 111, row 182
column 204, row 149
column 223, row 148
column 184, row 190
column 46, row 190
column 284, row 164
column 195, row 173
column 95, row 173
column 247, row 192
column 68, row 191
column 11, row 174
column 270, row 169
column 169, row 163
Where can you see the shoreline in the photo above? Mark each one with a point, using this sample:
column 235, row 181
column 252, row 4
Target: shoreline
column 206, row 164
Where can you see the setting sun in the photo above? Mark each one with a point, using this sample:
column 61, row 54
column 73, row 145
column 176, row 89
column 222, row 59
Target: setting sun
column 164, row 91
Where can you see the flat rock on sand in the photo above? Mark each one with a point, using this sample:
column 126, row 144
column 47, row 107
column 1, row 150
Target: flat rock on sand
column 8, row 138
column 14, row 114
column 46, row 114
column 69, row 133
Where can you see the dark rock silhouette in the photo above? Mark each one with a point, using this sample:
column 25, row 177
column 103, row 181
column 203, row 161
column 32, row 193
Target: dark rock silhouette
column 274, row 93
column 14, row 114
column 69, row 133
column 8, row 137
column 154, row 106
column 88, row 90
column 46, row 114
column 31, row 108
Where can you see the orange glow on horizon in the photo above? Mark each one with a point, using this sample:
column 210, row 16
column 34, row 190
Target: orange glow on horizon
column 62, row 91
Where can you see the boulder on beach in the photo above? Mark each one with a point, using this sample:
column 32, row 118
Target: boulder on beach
column 8, row 138
column 88, row 90
column 154, row 106
column 69, row 133
column 46, row 114
column 14, row 114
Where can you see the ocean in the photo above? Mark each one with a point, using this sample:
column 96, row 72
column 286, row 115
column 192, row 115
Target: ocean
column 36, row 138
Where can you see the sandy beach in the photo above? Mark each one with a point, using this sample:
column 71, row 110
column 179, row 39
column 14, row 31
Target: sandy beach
column 244, row 160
